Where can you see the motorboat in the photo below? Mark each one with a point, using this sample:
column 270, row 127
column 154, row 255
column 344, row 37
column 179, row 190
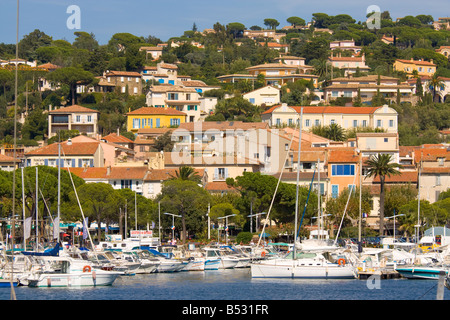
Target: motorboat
column 225, row 261
column 69, row 272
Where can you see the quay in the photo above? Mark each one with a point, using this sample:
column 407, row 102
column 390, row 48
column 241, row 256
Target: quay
column 383, row 274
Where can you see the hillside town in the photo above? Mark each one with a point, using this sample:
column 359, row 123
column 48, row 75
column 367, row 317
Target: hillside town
column 316, row 101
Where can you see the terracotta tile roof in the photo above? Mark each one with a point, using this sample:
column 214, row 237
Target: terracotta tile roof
column 49, row 66
column 114, row 138
column 7, row 159
column 168, row 66
column 356, row 59
column 151, row 48
column 222, row 125
column 431, row 154
column 322, row 110
column 135, row 173
column 403, row 177
column 122, row 74
column 153, row 110
column 76, row 149
column 407, row 150
column 219, row 186
column 440, row 170
column 90, row 173
column 348, row 156
column 424, row 63
column 74, row 109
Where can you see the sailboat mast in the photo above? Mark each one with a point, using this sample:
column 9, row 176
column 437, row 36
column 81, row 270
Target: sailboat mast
column 319, row 212
column 298, row 178
column 23, row 211
column 37, row 212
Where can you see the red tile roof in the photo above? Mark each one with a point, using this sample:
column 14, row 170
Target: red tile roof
column 342, row 156
column 333, row 109
column 74, row 109
column 122, row 74
column 113, row 137
column 424, row 63
column 156, row 111
column 76, row 149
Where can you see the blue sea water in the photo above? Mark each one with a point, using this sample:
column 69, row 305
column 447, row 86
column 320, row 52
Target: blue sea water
column 236, row 285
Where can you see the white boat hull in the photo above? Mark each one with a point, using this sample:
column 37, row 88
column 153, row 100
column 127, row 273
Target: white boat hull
column 226, row 263
column 212, row 264
column 77, row 279
column 195, row 265
column 294, row 269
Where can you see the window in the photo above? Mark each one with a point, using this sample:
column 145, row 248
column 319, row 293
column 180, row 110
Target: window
column 126, row 184
column 343, row 170
column 391, row 123
column 278, row 121
column 252, row 100
column 78, row 119
column 386, row 139
column 355, row 123
column 121, row 79
column 332, row 121
column 317, row 122
column 379, row 123
column 174, row 122
column 364, row 123
column 438, row 180
column 347, row 94
column 335, row 94
column 172, row 96
column 136, row 123
column 334, row 191
column 89, row 118
column 307, row 123
column 123, row 89
column 352, row 187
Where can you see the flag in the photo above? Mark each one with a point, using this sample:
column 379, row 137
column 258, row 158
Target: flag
column 364, row 215
column 55, row 228
column 85, row 228
column 153, row 225
column 27, row 228
column 173, row 227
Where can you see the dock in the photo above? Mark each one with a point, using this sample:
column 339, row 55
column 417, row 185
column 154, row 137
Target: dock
column 381, row 273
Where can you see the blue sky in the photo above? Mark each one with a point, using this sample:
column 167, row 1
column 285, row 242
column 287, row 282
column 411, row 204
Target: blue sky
column 170, row 18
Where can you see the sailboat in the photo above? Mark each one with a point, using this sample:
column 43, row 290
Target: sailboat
column 303, row 264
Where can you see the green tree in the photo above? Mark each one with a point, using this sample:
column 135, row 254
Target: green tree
column 271, row 23
column 85, row 40
column 98, row 201
column 381, row 166
column 296, row 21
column 72, row 77
column 164, row 142
column 187, row 199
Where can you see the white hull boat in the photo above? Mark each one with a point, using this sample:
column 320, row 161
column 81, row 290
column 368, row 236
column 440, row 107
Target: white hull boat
column 289, row 268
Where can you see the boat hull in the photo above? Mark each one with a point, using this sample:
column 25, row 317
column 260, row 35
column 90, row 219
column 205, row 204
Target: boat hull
column 290, row 269
column 80, row 279
column 421, row 272
column 212, row 264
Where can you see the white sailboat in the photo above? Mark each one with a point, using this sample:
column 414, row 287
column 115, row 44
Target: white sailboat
column 303, row 264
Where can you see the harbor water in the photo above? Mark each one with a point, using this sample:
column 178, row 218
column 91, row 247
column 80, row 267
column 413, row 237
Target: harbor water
column 236, row 285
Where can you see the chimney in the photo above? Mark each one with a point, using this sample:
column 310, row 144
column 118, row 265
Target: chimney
column 108, row 170
column 431, row 60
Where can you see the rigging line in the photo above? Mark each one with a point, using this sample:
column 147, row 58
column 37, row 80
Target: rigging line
column 81, row 208
column 306, row 204
column 276, row 188
column 345, row 209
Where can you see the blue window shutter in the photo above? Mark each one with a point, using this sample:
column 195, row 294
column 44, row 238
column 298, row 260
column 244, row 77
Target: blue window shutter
column 91, row 162
column 171, row 82
column 73, row 163
column 157, row 123
column 80, row 163
column 151, row 123
column 161, row 80
column 46, row 162
column 61, row 163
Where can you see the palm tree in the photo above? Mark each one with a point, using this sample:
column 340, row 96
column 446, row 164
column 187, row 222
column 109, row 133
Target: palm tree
column 187, row 173
column 435, row 83
column 335, row 132
column 380, row 165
